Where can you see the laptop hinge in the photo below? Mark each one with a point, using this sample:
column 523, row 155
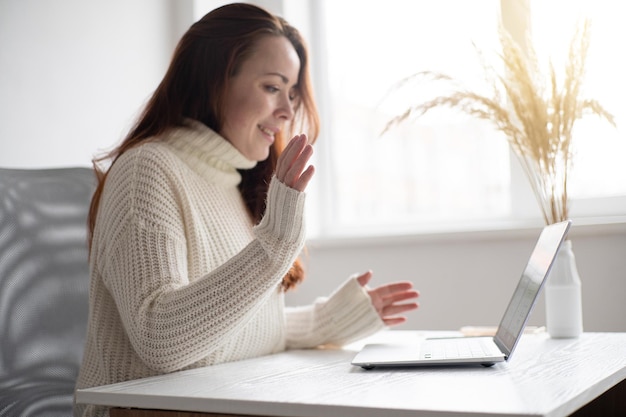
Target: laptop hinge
column 503, row 348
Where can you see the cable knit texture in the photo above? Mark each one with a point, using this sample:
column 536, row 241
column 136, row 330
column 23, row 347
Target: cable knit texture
column 181, row 278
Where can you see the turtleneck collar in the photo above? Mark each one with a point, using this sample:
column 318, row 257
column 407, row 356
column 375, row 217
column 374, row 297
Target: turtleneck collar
column 207, row 153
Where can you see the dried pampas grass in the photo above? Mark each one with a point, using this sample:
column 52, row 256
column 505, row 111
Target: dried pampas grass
column 536, row 113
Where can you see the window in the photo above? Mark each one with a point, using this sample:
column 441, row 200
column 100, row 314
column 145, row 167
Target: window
column 447, row 170
column 599, row 149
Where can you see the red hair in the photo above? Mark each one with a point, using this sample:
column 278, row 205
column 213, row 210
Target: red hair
column 207, row 56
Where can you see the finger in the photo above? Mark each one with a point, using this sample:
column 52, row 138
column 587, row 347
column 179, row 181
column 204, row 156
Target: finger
column 282, row 163
column 364, row 278
column 297, row 167
column 304, row 179
column 395, row 287
column 395, row 309
column 393, row 321
column 291, row 151
column 400, row 296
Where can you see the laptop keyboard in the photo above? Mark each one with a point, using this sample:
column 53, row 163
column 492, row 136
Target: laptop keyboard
column 456, row 348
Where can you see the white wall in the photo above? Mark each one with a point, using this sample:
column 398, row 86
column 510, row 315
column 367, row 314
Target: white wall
column 467, row 278
column 74, row 73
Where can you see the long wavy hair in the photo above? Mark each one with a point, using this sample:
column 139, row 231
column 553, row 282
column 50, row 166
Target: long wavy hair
column 208, row 55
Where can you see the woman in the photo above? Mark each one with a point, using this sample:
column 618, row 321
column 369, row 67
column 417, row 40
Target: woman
column 197, row 224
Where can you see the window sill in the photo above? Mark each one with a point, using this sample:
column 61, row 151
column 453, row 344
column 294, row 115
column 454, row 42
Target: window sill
column 500, row 230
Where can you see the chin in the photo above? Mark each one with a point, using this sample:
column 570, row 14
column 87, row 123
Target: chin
column 261, row 156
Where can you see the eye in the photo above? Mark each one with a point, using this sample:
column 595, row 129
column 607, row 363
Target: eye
column 272, row 89
column 294, row 94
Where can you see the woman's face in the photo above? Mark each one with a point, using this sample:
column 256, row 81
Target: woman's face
column 259, row 101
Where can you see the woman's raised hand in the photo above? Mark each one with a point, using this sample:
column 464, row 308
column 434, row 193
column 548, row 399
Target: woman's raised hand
column 389, row 300
column 291, row 164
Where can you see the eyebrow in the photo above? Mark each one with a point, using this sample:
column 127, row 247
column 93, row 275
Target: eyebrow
column 278, row 74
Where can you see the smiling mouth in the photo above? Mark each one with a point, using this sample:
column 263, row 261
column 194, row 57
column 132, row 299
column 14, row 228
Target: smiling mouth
column 267, row 131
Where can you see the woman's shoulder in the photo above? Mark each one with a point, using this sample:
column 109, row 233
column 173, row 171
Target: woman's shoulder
column 150, row 160
column 151, row 154
column 149, row 169
column 143, row 184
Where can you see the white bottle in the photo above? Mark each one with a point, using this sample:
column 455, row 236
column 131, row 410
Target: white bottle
column 564, row 314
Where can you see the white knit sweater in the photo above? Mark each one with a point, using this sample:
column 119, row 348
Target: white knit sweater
column 181, row 278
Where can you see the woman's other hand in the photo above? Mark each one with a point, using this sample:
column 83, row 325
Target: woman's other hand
column 389, row 300
column 290, row 168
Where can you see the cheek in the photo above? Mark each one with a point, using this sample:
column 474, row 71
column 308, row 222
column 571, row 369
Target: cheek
column 244, row 112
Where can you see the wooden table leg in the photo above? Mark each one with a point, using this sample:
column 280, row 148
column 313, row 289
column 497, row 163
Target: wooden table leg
column 611, row 403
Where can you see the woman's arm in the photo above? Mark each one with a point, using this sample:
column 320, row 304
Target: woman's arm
column 352, row 312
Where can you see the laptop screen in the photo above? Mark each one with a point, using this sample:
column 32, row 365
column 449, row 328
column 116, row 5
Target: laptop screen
column 529, row 285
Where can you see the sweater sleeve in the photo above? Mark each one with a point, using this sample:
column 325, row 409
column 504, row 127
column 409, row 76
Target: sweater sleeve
column 171, row 322
column 347, row 315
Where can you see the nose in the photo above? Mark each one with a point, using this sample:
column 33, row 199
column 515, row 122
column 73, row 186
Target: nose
column 285, row 109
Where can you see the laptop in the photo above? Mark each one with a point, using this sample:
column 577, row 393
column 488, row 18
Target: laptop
column 483, row 350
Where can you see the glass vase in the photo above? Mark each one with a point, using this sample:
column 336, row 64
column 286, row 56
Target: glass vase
column 564, row 314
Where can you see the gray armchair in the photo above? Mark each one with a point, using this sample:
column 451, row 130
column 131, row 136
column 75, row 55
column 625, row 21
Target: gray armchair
column 44, row 286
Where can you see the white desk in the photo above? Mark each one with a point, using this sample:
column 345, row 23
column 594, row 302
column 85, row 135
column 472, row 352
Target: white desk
column 545, row 377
